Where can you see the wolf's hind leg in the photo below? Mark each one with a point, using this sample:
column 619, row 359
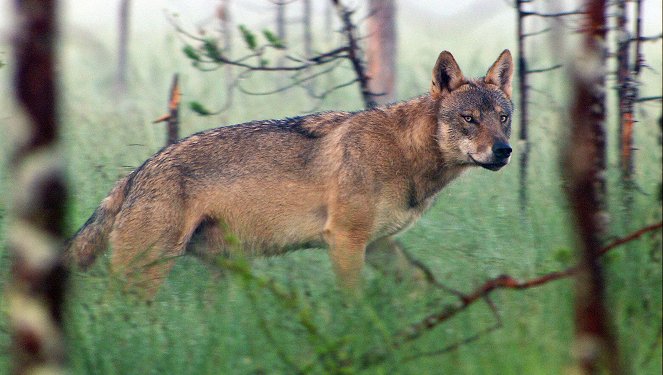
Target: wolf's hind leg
column 145, row 243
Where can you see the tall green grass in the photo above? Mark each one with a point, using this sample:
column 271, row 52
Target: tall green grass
column 284, row 314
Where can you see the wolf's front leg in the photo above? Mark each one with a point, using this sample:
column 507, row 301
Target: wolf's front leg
column 346, row 251
column 347, row 232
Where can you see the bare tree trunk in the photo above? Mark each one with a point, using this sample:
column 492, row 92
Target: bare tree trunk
column 225, row 21
column 307, row 14
column 625, row 86
column 329, row 22
column 36, row 291
column 280, row 20
column 173, row 111
column 595, row 347
column 639, row 60
column 381, row 50
column 123, row 46
column 524, row 101
column 354, row 53
column 281, row 25
column 308, row 32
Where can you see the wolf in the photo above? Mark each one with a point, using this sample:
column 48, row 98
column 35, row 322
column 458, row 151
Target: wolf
column 347, row 181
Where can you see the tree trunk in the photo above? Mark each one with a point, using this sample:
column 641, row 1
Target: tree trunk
column 354, row 53
column 123, row 46
column 595, row 347
column 626, row 99
column 307, row 13
column 329, row 22
column 381, row 50
column 639, row 60
column 308, row 32
column 524, row 100
column 281, row 26
column 225, row 22
column 173, row 111
column 37, row 220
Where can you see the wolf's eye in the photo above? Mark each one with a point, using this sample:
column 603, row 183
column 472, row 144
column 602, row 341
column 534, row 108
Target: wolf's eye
column 468, row 119
column 503, row 118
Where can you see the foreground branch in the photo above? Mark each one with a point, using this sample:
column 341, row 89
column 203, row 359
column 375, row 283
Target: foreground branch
column 500, row 282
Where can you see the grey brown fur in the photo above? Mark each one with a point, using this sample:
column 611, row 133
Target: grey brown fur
column 340, row 179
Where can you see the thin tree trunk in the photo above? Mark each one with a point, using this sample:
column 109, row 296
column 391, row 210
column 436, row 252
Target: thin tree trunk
column 524, row 101
column 308, row 32
column 595, row 347
column 123, row 46
column 625, row 96
column 354, row 53
column 307, row 14
column 639, row 60
column 281, row 24
column 36, row 292
column 595, row 50
column 381, row 50
column 280, row 20
column 329, row 22
column 225, row 21
column 173, row 111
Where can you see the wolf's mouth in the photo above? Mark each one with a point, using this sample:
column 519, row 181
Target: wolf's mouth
column 489, row 166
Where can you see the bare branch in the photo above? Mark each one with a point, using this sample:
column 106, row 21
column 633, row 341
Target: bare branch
column 630, row 237
column 543, row 70
column 535, row 33
column 649, row 99
column 553, row 15
column 653, row 38
column 468, row 340
column 207, row 56
column 500, row 282
column 297, row 82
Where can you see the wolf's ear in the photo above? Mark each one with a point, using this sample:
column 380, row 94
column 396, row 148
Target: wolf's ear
column 501, row 72
column 446, row 75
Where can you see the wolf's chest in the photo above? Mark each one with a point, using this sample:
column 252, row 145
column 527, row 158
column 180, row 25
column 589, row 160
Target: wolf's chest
column 393, row 218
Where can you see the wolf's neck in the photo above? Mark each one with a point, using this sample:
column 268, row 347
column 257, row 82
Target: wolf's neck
column 417, row 120
column 416, row 124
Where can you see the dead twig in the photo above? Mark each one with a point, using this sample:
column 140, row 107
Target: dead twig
column 415, row 330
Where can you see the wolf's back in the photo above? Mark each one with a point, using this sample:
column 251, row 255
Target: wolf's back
column 83, row 248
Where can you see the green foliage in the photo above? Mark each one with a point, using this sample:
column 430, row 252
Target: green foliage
column 212, row 50
column 191, row 52
column 273, row 39
column 249, row 37
column 199, row 108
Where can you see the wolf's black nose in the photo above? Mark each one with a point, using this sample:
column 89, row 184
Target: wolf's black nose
column 501, row 150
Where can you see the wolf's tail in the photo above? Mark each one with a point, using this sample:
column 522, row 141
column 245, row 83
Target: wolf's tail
column 84, row 247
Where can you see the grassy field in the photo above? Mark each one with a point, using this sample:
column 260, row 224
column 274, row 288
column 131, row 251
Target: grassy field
column 283, row 315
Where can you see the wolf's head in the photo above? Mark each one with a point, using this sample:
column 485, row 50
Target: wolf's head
column 474, row 115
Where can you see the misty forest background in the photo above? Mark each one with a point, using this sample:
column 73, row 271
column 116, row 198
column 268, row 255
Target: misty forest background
column 498, row 249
